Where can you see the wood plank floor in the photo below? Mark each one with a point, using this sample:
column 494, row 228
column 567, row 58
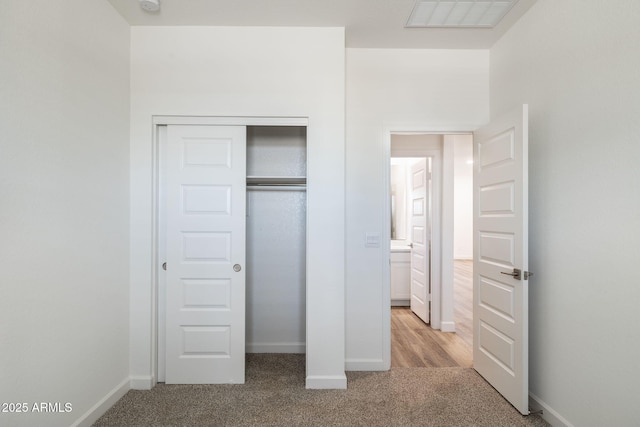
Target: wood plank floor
column 463, row 299
column 415, row 344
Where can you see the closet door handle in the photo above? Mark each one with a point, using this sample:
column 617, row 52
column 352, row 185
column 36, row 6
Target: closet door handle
column 237, row 268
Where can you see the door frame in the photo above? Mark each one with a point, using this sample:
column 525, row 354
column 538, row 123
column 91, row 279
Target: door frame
column 442, row 228
column 159, row 124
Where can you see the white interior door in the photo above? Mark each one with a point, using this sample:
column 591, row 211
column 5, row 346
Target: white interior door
column 500, row 294
column 420, row 239
column 205, row 171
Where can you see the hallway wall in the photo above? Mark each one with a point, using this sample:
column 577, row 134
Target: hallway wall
column 463, row 197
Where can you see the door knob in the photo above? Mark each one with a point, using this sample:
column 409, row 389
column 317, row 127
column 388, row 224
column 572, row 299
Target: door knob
column 516, row 273
column 237, row 268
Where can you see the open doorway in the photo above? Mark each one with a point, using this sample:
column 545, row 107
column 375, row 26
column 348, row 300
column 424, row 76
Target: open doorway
column 449, row 213
column 411, row 202
column 463, row 237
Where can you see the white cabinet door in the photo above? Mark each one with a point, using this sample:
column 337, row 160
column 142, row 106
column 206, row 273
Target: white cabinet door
column 205, row 247
column 400, row 276
column 500, row 298
column 420, row 239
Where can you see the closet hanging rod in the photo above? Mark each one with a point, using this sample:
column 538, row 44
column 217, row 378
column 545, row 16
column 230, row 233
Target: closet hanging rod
column 276, row 180
column 256, row 187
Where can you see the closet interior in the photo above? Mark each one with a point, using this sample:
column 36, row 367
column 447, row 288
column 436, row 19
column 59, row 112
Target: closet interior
column 276, row 239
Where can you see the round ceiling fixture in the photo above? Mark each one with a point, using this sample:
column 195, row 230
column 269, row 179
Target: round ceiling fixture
column 150, row 5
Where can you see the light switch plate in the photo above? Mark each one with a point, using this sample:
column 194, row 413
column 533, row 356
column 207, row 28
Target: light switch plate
column 371, row 240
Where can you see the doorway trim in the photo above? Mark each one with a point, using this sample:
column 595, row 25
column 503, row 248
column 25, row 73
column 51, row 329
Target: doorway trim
column 442, row 233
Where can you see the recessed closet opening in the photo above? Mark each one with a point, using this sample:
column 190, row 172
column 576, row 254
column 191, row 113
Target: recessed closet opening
column 276, row 239
column 231, row 246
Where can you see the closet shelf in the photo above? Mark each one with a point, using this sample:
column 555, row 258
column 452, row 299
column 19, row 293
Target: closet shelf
column 276, row 180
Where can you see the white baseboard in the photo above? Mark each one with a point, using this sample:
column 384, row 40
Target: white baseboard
column 400, row 303
column 448, row 326
column 142, row 383
column 365, row 365
column 326, row 382
column 548, row 414
column 284, row 347
column 97, row 410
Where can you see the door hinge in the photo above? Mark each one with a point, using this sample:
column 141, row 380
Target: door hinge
column 527, row 274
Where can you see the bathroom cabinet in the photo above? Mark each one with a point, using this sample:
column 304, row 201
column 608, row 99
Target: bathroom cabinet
column 400, row 276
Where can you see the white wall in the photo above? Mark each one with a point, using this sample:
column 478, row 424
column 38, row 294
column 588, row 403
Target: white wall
column 410, row 89
column 576, row 63
column 245, row 71
column 64, row 215
column 462, row 197
column 275, row 301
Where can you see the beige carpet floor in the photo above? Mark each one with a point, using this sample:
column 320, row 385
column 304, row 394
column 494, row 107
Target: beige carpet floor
column 275, row 395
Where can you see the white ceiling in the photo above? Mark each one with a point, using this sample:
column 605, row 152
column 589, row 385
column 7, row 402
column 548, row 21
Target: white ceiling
column 368, row 23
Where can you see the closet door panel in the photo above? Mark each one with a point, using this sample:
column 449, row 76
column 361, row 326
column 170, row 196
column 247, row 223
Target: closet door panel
column 205, row 238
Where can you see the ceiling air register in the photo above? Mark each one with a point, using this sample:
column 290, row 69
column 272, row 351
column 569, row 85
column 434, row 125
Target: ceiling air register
column 463, row 13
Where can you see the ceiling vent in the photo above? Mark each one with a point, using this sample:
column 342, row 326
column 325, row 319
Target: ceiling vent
column 461, row 13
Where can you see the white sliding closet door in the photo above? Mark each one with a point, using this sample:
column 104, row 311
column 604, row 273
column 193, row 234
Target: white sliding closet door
column 205, row 235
